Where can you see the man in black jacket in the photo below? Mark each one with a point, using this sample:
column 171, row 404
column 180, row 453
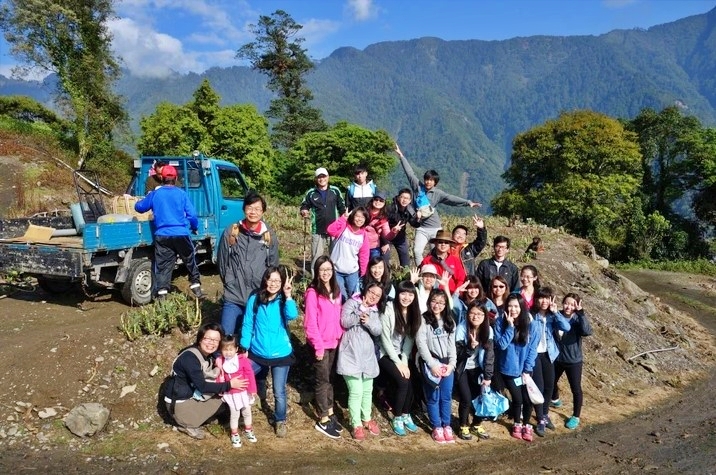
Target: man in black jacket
column 467, row 252
column 323, row 204
column 401, row 210
column 498, row 264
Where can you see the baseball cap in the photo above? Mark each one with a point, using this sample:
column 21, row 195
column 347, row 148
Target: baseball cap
column 428, row 269
column 321, row 171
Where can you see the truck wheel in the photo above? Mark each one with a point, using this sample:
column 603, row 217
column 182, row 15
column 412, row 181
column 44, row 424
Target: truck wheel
column 55, row 286
column 137, row 290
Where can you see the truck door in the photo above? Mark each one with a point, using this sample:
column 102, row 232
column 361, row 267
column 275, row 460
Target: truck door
column 233, row 189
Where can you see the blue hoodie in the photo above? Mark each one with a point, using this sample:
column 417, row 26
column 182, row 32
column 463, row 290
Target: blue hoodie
column 265, row 332
column 551, row 323
column 515, row 359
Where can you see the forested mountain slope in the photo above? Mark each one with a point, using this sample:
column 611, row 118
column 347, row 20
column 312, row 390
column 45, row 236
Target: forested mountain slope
column 456, row 105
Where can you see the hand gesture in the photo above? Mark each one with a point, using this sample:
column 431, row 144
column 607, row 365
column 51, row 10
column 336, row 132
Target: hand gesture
column 445, row 280
column 475, row 204
column 479, row 222
column 288, row 286
column 414, row 275
column 553, row 305
column 397, row 150
column 510, row 319
column 462, row 287
column 398, row 227
column 578, row 306
column 364, row 318
column 472, row 340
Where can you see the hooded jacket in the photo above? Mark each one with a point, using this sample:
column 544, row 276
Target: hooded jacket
column 356, row 353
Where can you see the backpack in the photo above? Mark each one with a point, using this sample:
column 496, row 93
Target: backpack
column 422, row 203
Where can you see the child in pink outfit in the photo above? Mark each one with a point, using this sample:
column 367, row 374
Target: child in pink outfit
column 234, row 363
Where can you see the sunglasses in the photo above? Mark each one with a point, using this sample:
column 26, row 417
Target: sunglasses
column 498, row 286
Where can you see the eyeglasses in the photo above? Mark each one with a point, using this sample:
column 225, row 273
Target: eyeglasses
column 211, row 340
column 498, row 286
column 326, row 271
column 255, row 209
column 380, row 200
column 274, row 281
column 375, row 293
column 443, row 242
column 438, row 303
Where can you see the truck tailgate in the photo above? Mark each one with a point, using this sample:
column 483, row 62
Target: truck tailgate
column 42, row 259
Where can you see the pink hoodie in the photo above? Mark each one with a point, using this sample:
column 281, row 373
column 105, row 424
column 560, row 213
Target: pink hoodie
column 245, row 371
column 322, row 322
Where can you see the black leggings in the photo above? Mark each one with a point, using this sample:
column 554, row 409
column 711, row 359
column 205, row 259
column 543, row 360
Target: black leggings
column 574, row 376
column 403, row 399
column 543, row 374
column 468, row 389
column 521, row 406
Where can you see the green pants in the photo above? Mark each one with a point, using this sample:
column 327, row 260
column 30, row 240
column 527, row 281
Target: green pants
column 360, row 399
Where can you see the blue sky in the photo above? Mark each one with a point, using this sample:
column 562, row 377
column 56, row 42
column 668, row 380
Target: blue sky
column 156, row 37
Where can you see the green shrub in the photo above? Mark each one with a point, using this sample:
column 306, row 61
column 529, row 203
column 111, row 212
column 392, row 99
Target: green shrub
column 161, row 317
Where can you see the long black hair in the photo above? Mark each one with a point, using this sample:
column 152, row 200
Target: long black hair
column 409, row 324
column 474, row 283
column 522, row 323
column 317, row 285
column 483, row 331
column 432, row 320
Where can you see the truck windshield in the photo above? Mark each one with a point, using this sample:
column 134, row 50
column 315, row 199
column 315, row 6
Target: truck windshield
column 232, row 183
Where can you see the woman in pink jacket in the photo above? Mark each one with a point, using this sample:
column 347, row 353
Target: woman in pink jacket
column 323, row 331
column 350, row 249
column 378, row 229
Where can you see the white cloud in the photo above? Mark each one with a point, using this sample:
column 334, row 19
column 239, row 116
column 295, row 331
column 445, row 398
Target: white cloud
column 146, row 52
column 361, row 10
column 315, row 30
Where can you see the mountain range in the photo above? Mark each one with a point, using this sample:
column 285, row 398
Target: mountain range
column 455, row 106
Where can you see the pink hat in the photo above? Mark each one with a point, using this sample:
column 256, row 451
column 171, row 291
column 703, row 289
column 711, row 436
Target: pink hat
column 428, row 269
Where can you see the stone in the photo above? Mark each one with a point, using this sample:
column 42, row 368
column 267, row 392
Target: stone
column 87, row 419
column 127, row 389
column 47, row 412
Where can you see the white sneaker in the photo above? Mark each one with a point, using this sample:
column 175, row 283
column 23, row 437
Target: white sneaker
column 250, row 436
column 235, row 440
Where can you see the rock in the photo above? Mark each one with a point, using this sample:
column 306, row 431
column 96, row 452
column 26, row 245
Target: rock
column 163, row 445
column 87, row 419
column 631, row 288
column 154, row 371
column 128, row 389
column 648, row 366
column 47, row 412
column 604, row 263
column 99, row 359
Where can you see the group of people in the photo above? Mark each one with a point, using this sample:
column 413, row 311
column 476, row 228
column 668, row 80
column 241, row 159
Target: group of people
column 452, row 326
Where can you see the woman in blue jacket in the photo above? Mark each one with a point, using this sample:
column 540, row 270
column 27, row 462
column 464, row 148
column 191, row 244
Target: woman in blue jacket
column 517, row 338
column 265, row 333
column 548, row 321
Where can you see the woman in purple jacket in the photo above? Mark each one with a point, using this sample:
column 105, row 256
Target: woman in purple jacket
column 323, row 331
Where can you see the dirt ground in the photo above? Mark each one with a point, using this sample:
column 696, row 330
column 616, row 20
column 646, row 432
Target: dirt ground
column 59, row 352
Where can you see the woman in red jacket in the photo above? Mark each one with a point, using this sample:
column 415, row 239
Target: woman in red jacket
column 444, row 262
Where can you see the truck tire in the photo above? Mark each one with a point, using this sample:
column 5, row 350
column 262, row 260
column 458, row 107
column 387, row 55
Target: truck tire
column 55, row 286
column 137, row 290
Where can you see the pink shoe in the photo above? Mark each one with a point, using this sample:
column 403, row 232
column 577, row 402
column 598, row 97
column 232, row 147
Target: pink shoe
column 517, row 431
column 438, row 435
column 449, row 436
column 527, row 433
column 372, row 427
column 358, row 433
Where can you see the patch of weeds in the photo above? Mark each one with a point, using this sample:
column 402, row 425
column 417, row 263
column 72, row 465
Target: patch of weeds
column 115, row 445
column 159, row 318
column 696, row 266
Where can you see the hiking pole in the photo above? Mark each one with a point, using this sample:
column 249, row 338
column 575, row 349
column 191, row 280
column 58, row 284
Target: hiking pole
column 305, row 234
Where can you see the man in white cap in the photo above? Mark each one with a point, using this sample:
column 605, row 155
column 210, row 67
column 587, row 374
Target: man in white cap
column 323, row 204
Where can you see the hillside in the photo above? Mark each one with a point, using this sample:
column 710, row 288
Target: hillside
column 456, row 105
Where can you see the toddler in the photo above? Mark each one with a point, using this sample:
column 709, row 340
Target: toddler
column 234, row 363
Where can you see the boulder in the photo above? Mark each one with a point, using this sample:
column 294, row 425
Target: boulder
column 87, row 419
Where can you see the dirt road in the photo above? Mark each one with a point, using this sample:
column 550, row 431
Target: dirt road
column 57, row 350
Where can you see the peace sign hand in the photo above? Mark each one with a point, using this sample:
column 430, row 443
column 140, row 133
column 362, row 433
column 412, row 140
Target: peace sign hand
column 479, row 222
column 552, row 304
column 398, row 227
column 288, row 286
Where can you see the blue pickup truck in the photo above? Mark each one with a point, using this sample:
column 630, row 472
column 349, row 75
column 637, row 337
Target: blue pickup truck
column 117, row 253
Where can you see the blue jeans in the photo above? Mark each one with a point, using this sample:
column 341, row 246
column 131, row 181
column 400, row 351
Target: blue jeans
column 279, row 375
column 232, row 317
column 348, row 284
column 439, row 401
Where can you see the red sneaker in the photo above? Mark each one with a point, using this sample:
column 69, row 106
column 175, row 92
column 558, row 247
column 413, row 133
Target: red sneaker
column 449, row 436
column 358, row 433
column 517, row 431
column 439, row 435
column 372, row 427
column 527, row 433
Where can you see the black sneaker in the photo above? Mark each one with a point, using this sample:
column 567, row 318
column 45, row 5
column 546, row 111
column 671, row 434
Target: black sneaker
column 539, row 428
column 336, row 425
column 327, row 429
column 548, row 423
column 198, row 293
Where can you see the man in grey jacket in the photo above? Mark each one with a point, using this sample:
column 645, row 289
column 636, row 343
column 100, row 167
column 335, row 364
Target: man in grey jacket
column 430, row 224
column 246, row 250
